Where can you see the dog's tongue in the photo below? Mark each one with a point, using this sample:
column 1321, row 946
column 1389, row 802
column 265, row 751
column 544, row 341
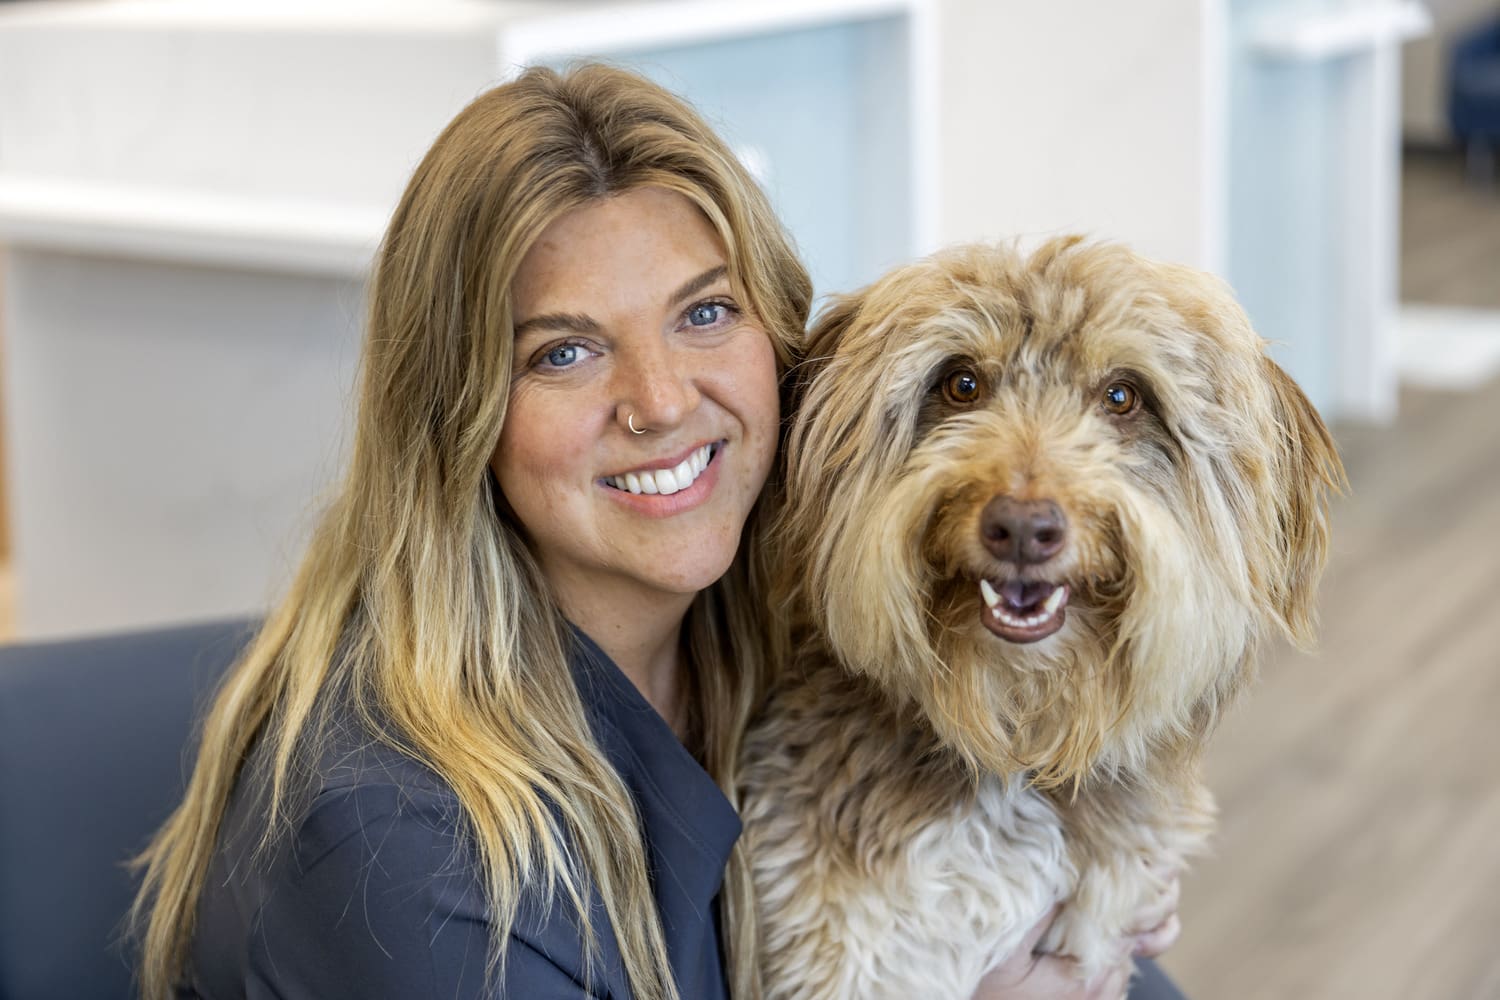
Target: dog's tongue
column 1021, row 594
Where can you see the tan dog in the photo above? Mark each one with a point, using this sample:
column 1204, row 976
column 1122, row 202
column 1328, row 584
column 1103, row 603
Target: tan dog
column 1040, row 511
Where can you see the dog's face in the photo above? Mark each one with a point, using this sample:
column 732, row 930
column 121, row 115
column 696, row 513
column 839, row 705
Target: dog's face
column 1052, row 500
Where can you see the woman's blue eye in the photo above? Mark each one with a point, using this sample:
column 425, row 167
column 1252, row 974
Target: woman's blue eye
column 562, row 355
column 705, row 314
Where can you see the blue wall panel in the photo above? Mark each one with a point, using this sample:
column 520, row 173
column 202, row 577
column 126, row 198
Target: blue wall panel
column 821, row 114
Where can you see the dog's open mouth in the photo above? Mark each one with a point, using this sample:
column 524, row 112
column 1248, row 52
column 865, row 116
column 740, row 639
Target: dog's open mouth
column 1023, row 610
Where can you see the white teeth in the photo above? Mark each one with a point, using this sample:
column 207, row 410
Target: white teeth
column 988, row 593
column 1054, row 601
column 1048, row 611
column 665, row 481
column 1016, row 621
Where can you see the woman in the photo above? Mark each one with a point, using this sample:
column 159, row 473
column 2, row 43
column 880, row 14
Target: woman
column 479, row 746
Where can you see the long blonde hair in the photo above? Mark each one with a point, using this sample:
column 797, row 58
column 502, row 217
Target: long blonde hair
column 417, row 594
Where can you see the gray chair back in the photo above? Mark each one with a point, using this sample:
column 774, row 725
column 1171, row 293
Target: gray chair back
column 96, row 741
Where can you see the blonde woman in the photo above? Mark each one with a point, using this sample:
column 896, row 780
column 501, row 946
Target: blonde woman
column 479, row 748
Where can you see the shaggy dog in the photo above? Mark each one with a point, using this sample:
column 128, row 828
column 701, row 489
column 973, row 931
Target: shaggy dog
column 1039, row 511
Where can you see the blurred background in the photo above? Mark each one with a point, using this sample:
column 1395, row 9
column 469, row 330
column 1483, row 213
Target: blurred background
column 190, row 193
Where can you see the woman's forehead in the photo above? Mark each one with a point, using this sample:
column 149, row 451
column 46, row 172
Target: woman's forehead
column 643, row 246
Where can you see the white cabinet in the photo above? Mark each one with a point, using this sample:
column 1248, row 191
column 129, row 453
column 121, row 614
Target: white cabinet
column 1314, row 189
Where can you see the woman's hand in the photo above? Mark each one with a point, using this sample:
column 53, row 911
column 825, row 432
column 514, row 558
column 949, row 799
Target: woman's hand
column 1156, row 926
column 1027, row 976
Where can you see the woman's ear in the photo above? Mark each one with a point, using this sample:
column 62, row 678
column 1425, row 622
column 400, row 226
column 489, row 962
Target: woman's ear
column 1305, row 469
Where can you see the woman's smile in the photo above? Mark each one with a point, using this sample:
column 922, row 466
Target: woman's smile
column 666, row 489
column 668, row 477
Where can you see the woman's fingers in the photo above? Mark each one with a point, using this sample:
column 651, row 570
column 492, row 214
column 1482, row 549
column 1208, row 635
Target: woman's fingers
column 1113, row 985
column 1048, row 977
column 1157, row 925
column 1058, row 978
column 1158, row 911
column 1035, row 935
column 1026, row 975
column 1156, row 941
column 1022, row 964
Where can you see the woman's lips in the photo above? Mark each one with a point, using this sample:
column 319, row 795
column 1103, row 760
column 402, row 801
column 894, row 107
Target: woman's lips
column 667, row 478
column 642, row 492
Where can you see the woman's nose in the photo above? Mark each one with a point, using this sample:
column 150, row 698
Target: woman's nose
column 655, row 388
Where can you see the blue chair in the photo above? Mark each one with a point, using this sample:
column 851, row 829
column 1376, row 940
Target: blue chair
column 96, row 739
column 1474, row 95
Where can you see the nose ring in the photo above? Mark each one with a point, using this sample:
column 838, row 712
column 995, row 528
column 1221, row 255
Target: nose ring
column 630, row 420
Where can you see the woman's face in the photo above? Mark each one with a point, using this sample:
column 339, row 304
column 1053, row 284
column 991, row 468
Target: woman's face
column 624, row 311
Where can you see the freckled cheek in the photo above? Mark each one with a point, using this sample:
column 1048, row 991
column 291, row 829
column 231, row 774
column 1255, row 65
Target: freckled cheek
column 746, row 385
column 754, row 371
column 543, row 457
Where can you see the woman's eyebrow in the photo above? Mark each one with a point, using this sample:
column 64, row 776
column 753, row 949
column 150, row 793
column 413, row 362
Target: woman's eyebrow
column 568, row 322
column 579, row 323
column 696, row 285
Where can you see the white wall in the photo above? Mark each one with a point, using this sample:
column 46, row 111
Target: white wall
column 190, row 196
column 1127, row 160
column 171, row 430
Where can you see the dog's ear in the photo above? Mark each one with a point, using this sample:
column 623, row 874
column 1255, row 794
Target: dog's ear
column 1288, row 454
column 803, row 489
column 1305, row 468
column 823, row 338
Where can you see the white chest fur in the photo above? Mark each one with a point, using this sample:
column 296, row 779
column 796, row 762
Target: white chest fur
column 871, row 889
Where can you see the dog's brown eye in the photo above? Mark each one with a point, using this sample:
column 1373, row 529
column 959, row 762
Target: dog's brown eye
column 961, row 387
column 1121, row 398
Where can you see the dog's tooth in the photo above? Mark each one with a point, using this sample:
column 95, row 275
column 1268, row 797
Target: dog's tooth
column 632, row 482
column 988, row 593
column 1054, row 601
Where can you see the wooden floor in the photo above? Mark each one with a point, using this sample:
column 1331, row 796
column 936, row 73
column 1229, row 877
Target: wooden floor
column 1359, row 853
column 7, row 602
column 1450, row 233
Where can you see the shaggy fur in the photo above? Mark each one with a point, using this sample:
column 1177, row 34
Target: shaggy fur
column 921, row 788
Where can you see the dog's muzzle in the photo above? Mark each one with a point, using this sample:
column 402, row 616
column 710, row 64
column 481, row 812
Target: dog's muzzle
column 1025, row 534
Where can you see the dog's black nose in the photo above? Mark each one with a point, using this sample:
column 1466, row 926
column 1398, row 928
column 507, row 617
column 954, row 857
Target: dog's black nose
column 1022, row 531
